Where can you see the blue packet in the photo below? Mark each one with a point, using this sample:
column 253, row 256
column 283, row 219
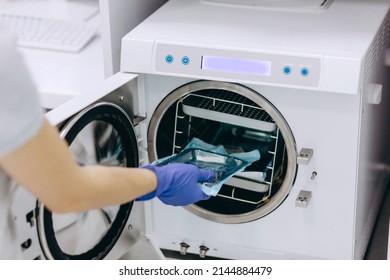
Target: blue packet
column 216, row 158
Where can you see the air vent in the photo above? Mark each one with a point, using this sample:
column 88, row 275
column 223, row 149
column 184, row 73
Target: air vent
column 378, row 45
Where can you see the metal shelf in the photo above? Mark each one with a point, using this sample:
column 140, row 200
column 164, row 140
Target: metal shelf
column 228, row 111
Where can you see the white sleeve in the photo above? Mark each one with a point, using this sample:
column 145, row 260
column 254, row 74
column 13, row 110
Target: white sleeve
column 21, row 114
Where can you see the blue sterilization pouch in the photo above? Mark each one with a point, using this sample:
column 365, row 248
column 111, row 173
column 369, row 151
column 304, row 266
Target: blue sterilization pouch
column 216, row 158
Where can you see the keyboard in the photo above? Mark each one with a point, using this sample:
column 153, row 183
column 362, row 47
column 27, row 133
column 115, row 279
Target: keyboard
column 48, row 33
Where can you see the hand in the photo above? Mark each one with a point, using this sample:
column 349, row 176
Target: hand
column 177, row 183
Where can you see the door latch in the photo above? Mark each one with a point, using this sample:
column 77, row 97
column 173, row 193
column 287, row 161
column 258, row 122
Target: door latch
column 305, row 156
column 303, row 199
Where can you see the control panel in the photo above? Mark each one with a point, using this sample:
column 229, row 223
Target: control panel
column 251, row 67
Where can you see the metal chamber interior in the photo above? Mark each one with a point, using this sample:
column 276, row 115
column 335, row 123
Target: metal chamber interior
column 222, row 117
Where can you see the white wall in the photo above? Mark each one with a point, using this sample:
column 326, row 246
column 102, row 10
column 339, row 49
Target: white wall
column 118, row 18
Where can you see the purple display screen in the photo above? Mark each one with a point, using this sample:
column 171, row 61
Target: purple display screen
column 236, row 65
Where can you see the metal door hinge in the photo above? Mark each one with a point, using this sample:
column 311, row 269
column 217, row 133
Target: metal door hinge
column 138, row 119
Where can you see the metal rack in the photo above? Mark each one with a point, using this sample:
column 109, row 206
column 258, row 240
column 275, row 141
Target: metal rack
column 266, row 183
column 236, row 111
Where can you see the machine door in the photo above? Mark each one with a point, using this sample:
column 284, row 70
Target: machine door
column 101, row 134
column 98, row 125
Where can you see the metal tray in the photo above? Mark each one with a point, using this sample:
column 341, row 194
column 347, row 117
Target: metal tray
column 227, row 111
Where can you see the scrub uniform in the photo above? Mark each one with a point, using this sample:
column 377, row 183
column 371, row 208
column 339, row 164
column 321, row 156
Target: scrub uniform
column 21, row 117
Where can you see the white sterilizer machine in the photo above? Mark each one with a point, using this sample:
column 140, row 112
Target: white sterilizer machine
column 306, row 85
column 303, row 82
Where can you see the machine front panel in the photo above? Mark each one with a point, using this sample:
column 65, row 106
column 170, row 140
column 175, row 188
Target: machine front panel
column 247, row 66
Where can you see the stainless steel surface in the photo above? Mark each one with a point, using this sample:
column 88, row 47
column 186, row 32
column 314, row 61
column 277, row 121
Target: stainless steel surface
column 303, row 199
column 224, row 109
column 247, row 184
column 305, row 156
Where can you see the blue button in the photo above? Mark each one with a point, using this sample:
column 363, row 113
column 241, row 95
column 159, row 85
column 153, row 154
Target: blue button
column 304, row 71
column 287, row 70
column 185, row 60
column 169, row 58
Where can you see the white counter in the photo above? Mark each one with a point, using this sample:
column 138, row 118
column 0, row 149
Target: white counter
column 58, row 75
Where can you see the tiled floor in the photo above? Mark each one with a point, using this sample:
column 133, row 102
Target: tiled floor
column 377, row 248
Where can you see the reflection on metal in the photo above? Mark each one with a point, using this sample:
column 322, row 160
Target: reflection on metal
column 97, row 143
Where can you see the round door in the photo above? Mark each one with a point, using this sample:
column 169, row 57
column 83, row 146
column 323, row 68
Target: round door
column 102, row 134
column 241, row 120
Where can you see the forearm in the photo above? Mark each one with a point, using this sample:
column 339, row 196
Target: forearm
column 98, row 186
column 46, row 168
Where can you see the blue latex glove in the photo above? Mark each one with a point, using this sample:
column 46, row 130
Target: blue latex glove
column 177, row 183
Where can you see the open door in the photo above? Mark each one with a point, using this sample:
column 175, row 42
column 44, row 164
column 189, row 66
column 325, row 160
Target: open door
column 101, row 133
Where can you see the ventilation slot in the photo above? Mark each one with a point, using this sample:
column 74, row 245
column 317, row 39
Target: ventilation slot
column 378, row 45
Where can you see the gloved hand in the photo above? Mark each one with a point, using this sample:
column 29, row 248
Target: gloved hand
column 177, row 183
